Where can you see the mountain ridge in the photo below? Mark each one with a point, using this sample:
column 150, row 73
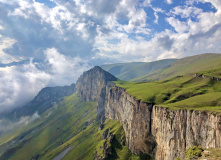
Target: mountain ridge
column 136, row 126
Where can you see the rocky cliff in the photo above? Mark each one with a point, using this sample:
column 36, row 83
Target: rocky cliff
column 150, row 130
column 135, row 117
column 177, row 130
column 92, row 86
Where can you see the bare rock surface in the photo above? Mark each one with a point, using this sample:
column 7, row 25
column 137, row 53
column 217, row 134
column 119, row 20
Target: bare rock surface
column 149, row 130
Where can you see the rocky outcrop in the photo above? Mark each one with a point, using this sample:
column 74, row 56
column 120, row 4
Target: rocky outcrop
column 105, row 151
column 92, row 86
column 92, row 83
column 206, row 77
column 151, row 130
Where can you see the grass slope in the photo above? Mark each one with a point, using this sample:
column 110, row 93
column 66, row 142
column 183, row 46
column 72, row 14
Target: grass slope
column 88, row 141
column 55, row 127
column 185, row 66
column 70, row 124
column 128, row 71
column 186, row 92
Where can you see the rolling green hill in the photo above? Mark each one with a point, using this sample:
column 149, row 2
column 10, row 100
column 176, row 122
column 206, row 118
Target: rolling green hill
column 182, row 92
column 188, row 65
column 128, row 71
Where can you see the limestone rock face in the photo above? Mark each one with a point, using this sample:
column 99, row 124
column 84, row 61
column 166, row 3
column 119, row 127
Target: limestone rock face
column 161, row 133
column 176, row 131
column 91, row 86
column 135, row 117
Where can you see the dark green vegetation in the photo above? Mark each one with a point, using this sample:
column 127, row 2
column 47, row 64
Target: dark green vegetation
column 194, row 64
column 129, row 71
column 70, row 124
column 192, row 152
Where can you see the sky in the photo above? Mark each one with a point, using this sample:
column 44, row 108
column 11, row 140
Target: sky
column 51, row 42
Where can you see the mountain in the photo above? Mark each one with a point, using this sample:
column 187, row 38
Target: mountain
column 106, row 118
column 128, row 71
column 45, row 99
column 199, row 63
column 70, row 128
column 153, row 111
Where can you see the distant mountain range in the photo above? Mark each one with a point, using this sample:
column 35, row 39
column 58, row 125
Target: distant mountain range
column 130, row 71
column 163, row 69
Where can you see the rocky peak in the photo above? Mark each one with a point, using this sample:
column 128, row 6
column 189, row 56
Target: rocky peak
column 91, row 84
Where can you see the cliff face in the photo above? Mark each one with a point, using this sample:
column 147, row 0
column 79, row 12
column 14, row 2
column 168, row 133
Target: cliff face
column 176, row 131
column 150, row 130
column 135, row 117
column 92, row 86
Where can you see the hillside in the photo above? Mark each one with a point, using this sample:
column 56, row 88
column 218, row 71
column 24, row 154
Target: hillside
column 107, row 118
column 128, row 71
column 69, row 124
column 194, row 64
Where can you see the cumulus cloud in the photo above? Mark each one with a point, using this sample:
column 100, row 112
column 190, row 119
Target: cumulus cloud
column 63, row 70
column 178, row 25
column 19, row 84
column 70, row 34
column 6, row 43
column 186, row 11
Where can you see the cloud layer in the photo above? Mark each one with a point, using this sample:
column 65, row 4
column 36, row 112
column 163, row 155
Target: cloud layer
column 19, row 84
column 66, row 37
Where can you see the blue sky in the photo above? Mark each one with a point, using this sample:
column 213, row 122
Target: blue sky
column 59, row 39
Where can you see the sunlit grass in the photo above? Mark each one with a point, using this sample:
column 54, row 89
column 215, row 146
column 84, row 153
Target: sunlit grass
column 183, row 92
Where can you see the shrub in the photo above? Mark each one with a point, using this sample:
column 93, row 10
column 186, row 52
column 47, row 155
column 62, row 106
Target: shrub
column 193, row 152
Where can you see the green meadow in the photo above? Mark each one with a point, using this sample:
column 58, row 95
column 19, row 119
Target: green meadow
column 181, row 92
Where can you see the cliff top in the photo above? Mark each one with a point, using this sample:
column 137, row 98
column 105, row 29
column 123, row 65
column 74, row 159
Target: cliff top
column 182, row 92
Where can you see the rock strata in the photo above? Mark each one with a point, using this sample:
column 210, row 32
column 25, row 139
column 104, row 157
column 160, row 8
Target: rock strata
column 150, row 130
column 92, row 86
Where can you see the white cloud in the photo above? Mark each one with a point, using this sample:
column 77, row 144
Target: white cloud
column 186, row 11
column 19, row 84
column 6, row 43
column 179, row 26
column 64, row 70
column 1, row 28
column 93, row 30
column 169, row 1
column 215, row 3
